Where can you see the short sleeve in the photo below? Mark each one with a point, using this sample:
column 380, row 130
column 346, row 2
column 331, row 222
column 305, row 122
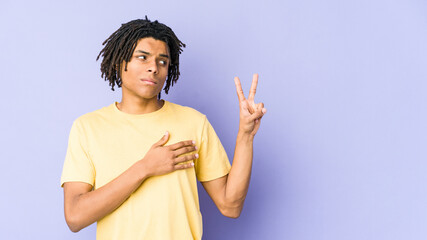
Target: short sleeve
column 78, row 166
column 213, row 162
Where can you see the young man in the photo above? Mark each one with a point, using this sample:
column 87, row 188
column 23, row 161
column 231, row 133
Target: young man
column 133, row 166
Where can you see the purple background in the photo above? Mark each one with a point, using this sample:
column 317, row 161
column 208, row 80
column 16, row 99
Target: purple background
column 341, row 153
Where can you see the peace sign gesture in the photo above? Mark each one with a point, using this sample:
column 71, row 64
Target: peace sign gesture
column 250, row 112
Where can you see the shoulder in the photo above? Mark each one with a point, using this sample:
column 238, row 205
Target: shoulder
column 94, row 117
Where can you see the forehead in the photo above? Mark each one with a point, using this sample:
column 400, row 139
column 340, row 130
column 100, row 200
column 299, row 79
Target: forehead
column 152, row 46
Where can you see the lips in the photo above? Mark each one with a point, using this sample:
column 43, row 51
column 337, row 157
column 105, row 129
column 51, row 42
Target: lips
column 148, row 81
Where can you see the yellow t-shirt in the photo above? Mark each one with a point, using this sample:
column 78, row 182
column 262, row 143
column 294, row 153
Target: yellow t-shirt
column 104, row 143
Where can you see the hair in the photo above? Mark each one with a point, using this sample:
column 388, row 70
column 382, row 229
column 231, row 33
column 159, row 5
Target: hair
column 121, row 44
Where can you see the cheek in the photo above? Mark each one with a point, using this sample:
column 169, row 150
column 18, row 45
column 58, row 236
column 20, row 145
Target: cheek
column 164, row 79
column 133, row 68
column 165, row 74
column 132, row 71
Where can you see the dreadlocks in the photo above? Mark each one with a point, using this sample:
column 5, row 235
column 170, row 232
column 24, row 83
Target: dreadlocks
column 120, row 45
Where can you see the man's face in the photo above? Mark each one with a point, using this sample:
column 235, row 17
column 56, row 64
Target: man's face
column 147, row 69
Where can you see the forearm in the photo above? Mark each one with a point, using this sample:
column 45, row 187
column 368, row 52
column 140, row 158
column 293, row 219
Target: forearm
column 232, row 189
column 92, row 206
column 83, row 207
column 240, row 173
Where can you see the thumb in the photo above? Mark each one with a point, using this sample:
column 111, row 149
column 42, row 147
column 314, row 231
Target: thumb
column 163, row 140
column 257, row 114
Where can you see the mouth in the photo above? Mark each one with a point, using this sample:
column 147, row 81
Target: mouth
column 148, row 81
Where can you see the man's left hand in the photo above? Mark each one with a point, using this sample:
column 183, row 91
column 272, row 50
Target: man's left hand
column 250, row 112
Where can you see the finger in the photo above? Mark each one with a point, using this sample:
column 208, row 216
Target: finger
column 185, row 150
column 254, row 84
column 163, row 140
column 261, row 106
column 257, row 124
column 257, row 114
column 184, row 166
column 251, row 109
column 182, row 144
column 245, row 105
column 257, row 107
column 186, row 158
column 239, row 89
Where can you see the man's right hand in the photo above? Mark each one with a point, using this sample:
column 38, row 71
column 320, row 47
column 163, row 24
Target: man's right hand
column 162, row 159
column 84, row 206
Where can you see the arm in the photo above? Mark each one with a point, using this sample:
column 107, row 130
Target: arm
column 82, row 206
column 229, row 192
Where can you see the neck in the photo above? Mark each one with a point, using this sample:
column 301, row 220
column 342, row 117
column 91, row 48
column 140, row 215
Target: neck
column 140, row 106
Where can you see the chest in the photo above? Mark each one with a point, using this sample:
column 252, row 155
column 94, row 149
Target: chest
column 114, row 147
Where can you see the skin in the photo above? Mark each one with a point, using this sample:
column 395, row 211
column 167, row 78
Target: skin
column 229, row 192
column 139, row 95
column 141, row 83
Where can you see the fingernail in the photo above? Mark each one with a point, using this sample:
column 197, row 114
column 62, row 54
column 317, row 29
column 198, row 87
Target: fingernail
column 195, row 147
column 194, row 142
column 192, row 164
column 166, row 133
column 196, row 155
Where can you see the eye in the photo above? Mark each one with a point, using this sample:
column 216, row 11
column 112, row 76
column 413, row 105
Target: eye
column 142, row 57
column 163, row 62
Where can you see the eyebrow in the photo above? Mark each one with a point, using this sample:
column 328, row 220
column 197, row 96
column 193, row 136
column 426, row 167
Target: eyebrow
column 162, row 55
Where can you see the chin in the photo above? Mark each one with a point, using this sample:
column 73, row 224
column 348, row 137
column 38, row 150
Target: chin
column 149, row 96
column 146, row 93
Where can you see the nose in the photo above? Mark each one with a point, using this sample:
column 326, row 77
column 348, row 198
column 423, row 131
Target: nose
column 152, row 67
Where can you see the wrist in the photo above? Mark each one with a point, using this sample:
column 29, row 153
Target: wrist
column 245, row 136
column 140, row 170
